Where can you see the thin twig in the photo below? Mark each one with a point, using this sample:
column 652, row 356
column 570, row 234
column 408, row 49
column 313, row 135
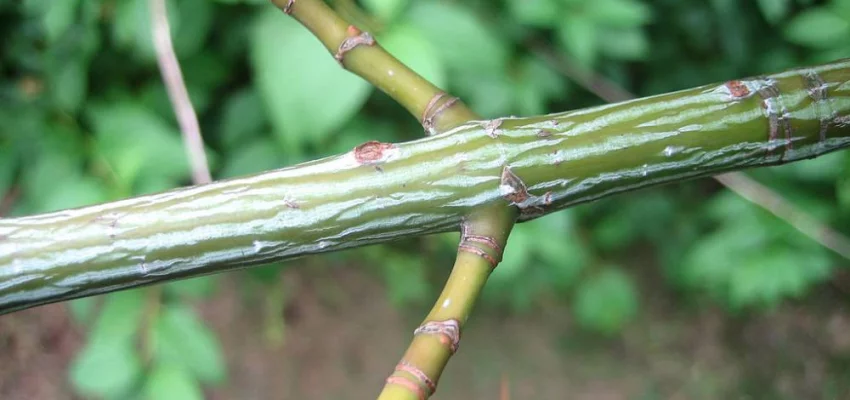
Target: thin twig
column 359, row 53
column 483, row 237
column 738, row 182
column 597, row 84
column 763, row 196
column 9, row 199
column 169, row 67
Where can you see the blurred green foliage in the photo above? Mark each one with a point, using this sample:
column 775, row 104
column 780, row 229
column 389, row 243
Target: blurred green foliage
column 84, row 118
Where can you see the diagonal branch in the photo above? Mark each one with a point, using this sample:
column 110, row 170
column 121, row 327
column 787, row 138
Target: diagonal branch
column 417, row 373
column 483, row 237
column 738, row 182
column 169, row 67
column 359, row 52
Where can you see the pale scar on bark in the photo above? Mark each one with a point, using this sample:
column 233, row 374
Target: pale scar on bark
column 515, row 191
column 491, row 128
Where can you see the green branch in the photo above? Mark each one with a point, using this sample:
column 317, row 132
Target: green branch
column 379, row 192
column 358, row 52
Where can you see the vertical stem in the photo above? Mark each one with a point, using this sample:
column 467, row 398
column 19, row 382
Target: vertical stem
column 483, row 237
column 169, row 67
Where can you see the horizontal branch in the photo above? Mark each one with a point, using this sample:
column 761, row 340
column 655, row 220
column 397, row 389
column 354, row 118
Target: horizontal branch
column 381, row 191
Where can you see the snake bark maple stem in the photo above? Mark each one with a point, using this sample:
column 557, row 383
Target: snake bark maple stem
column 419, row 187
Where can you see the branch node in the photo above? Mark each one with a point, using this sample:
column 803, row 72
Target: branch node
column 372, row 152
column 407, row 384
column 515, row 191
column 424, row 380
column 355, row 38
column 432, row 111
column 491, row 128
column 448, row 331
column 466, row 236
column 481, row 253
column 287, row 9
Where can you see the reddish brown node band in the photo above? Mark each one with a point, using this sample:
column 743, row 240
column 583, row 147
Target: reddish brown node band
column 432, row 111
column 408, row 384
column 423, row 378
column 355, row 38
column 479, row 252
column 448, row 331
column 467, row 236
column 738, row 89
column 371, row 152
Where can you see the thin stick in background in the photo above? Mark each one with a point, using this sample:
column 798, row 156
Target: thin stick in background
column 737, row 182
column 177, row 93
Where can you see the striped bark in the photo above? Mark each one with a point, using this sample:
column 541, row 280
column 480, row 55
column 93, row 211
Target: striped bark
column 381, row 191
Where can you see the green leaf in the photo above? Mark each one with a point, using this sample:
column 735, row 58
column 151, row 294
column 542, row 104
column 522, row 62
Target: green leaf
column 243, row 117
column 462, row 40
column 578, row 36
column 774, row 10
column 183, row 339
column 606, row 301
column 536, row 85
column 625, row 44
column 69, row 84
column 106, row 369
column 618, row 13
column 307, row 94
column 538, row 13
column 138, row 144
column 387, row 10
column 412, row 48
column 405, row 278
column 108, row 365
column 754, row 259
column 74, row 192
column 82, row 309
column 195, row 288
column 58, row 17
column 170, row 382
column 119, row 318
column 824, row 169
column 842, row 190
column 189, row 22
column 818, row 28
column 258, row 155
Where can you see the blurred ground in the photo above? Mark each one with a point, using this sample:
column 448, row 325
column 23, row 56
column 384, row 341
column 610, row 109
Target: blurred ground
column 342, row 337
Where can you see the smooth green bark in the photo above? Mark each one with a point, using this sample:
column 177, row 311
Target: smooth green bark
column 380, row 192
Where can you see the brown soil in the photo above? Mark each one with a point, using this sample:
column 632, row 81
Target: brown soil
column 342, row 337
